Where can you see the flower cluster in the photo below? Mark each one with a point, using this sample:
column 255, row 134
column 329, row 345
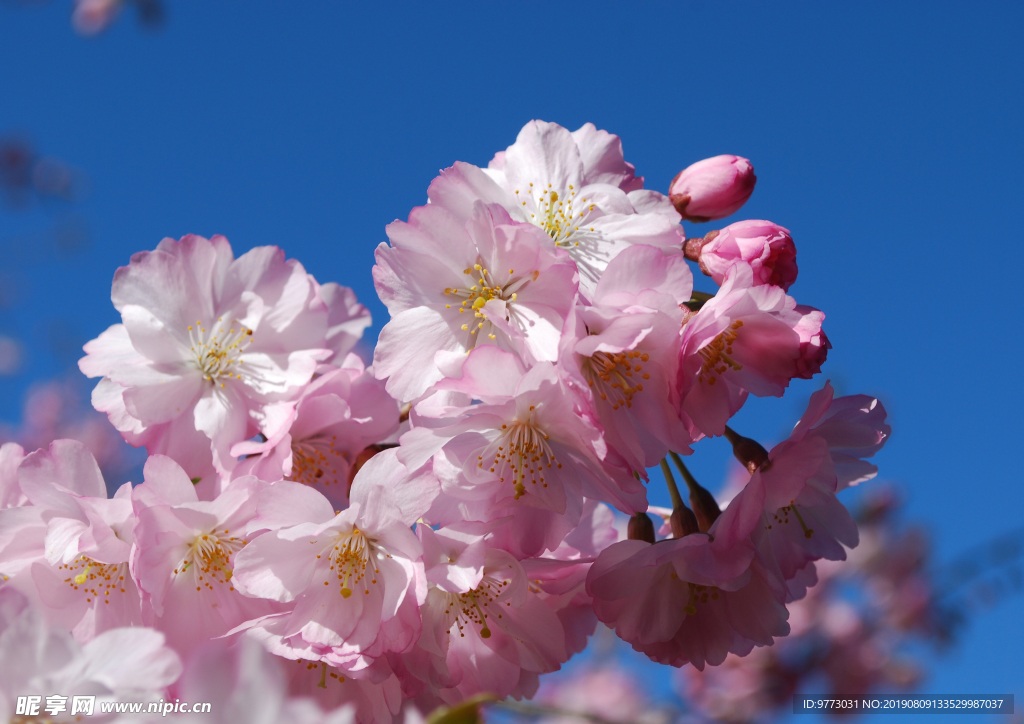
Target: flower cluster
column 856, row 645
column 440, row 526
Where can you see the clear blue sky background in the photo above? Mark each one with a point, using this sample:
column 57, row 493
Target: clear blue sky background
column 886, row 136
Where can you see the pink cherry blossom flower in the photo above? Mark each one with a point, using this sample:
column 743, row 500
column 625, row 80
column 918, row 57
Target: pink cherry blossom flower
column 121, row 664
column 575, row 186
column 185, row 555
column 484, row 628
column 622, row 353
column 713, row 188
column 854, row 428
column 339, row 414
column 696, row 598
column 374, row 699
column 81, row 575
column 559, row 577
column 524, row 454
column 242, row 682
column 452, row 285
column 746, row 339
column 350, row 576
column 766, row 247
column 806, row 522
column 208, row 345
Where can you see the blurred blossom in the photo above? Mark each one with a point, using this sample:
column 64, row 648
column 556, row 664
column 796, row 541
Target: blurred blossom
column 11, row 353
column 16, row 158
column 59, row 409
column 609, row 692
column 26, row 177
column 853, row 635
column 94, row 16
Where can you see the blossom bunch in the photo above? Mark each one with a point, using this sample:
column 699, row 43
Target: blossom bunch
column 441, row 525
column 857, row 633
column 854, row 645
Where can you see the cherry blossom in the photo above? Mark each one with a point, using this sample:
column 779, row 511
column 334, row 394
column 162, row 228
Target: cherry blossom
column 485, row 628
column 350, row 576
column 696, row 598
column 121, row 664
column 452, row 285
column 80, row 576
column 576, row 187
column 805, row 519
column 185, row 551
column 342, row 411
column 242, row 682
column 524, row 453
column 622, row 352
column 746, row 340
column 208, row 345
column 327, row 542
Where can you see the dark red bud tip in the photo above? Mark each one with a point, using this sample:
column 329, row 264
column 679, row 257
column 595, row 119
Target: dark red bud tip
column 750, row 453
column 692, row 249
column 640, row 528
column 680, row 201
column 683, row 522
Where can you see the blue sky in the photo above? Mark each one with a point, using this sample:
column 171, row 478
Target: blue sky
column 886, row 136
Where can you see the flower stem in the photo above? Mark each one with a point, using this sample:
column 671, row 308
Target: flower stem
column 691, row 482
column 673, row 491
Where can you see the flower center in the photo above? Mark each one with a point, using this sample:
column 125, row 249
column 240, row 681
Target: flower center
column 473, row 607
column 219, row 354
column 560, row 214
column 520, row 453
column 314, row 460
column 209, row 558
column 611, row 376
column 482, row 286
column 698, row 595
column 96, row 580
column 349, row 558
column 324, row 673
column 781, row 517
column 717, row 354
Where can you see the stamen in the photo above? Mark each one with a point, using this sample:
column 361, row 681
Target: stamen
column 717, row 355
column 613, row 376
column 219, row 355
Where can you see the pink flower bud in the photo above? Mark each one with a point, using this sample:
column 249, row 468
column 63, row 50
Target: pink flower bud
column 767, row 247
column 712, row 188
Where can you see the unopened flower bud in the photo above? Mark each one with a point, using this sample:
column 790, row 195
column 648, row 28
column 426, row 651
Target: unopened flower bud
column 713, row 188
column 767, row 247
column 683, row 522
column 750, row 453
column 705, row 507
column 640, row 528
